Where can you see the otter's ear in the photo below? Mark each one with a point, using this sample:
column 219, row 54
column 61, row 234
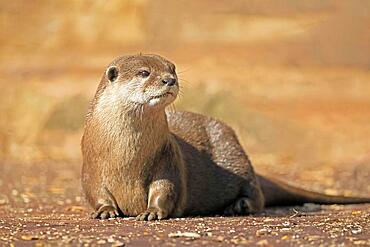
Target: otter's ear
column 112, row 73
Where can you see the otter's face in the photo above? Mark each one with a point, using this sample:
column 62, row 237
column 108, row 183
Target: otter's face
column 148, row 80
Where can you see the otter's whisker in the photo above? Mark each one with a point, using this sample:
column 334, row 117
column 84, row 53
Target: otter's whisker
column 172, row 107
column 185, row 81
column 183, row 71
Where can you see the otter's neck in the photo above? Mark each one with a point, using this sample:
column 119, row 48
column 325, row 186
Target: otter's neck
column 146, row 132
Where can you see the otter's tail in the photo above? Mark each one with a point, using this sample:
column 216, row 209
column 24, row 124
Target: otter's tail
column 280, row 194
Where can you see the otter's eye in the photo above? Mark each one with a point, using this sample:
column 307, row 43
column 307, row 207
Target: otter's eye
column 112, row 73
column 144, row 73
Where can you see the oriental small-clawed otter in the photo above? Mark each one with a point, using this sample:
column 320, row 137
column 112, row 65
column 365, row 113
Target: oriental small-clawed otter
column 140, row 161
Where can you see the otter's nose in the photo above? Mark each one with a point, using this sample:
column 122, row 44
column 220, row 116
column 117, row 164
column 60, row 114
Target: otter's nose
column 169, row 81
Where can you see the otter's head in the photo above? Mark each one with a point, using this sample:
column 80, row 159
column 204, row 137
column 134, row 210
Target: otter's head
column 141, row 80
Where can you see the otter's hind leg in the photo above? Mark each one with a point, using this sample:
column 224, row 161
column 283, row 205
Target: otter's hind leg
column 250, row 201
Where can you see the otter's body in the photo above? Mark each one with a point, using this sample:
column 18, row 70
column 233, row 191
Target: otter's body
column 219, row 173
column 140, row 161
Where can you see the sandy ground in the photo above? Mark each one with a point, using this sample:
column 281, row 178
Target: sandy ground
column 41, row 205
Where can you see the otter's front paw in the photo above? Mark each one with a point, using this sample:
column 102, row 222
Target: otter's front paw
column 105, row 212
column 152, row 214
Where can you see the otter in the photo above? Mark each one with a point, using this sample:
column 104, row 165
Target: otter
column 139, row 160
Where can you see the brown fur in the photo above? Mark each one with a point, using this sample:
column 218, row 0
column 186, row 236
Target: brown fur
column 140, row 161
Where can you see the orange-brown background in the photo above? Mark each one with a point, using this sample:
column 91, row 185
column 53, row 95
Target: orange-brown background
column 292, row 77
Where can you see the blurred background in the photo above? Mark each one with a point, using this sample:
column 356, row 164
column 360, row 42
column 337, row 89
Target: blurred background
column 292, row 77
